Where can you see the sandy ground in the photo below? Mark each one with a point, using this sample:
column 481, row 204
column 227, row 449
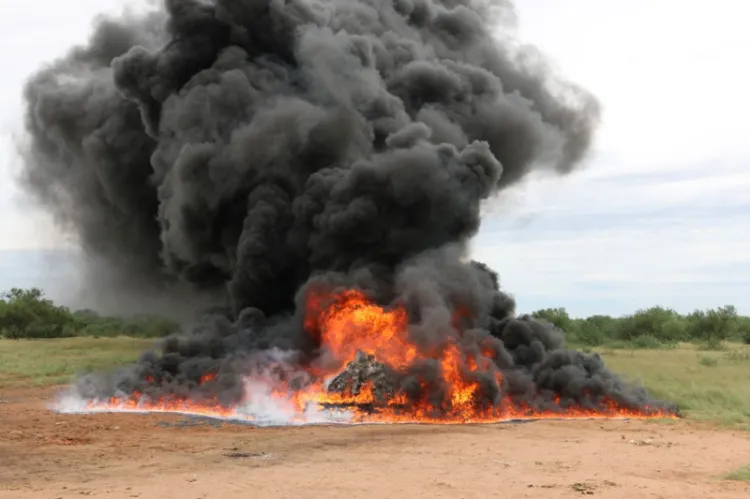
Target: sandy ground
column 47, row 455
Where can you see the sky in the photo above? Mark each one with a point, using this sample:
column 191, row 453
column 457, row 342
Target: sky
column 659, row 215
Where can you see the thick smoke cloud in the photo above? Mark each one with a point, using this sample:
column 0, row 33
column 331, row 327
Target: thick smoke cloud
column 262, row 148
column 243, row 143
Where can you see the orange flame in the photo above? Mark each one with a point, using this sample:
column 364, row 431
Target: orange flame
column 347, row 323
column 352, row 324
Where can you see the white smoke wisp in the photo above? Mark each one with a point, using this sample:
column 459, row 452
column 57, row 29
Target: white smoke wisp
column 267, row 400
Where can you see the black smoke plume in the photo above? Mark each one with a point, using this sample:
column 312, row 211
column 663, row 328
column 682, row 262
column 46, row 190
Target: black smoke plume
column 256, row 149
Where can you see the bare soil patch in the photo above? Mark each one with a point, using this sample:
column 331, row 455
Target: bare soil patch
column 48, row 455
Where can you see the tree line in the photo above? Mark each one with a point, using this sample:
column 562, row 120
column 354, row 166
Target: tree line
column 27, row 313
column 653, row 327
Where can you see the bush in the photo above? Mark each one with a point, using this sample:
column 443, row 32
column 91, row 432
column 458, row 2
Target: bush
column 144, row 326
column 657, row 322
column 149, row 326
column 708, row 361
column 648, row 341
column 592, row 331
column 743, row 329
column 713, row 326
column 655, row 327
column 712, row 344
column 558, row 317
column 675, row 329
column 27, row 314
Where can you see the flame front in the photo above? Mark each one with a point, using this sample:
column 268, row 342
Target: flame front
column 351, row 323
column 464, row 388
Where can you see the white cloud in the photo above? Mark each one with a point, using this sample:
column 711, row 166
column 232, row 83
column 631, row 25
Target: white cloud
column 669, row 73
column 661, row 214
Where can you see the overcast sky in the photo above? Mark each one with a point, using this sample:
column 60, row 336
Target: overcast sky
column 660, row 215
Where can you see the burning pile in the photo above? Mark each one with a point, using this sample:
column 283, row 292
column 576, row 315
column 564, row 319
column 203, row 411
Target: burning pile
column 318, row 167
column 369, row 366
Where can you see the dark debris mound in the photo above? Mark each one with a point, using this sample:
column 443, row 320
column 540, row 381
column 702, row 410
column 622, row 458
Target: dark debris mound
column 363, row 370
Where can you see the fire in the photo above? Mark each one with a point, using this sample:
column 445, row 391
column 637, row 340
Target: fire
column 349, row 324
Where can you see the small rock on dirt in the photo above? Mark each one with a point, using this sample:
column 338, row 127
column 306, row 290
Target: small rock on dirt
column 583, row 488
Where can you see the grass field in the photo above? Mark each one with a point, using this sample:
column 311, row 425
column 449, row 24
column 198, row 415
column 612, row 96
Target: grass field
column 707, row 385
column 49, row 362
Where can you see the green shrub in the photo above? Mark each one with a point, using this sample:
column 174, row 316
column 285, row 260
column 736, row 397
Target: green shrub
column 664, row 324
column 713, row 326
column 708, row 361
column 675, row 329
column 590, row 333
column 647, row 341
column 143, row 326
column 655, row 327
column 558, row 317
column 743, row 329
column 27, row 314
column 712, row 344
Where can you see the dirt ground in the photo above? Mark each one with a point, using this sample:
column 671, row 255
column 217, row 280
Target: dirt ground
column 48, row 455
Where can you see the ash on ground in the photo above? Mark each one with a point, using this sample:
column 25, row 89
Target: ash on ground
column 365, row 370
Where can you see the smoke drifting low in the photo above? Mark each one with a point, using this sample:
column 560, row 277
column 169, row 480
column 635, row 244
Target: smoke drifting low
column 262, row 149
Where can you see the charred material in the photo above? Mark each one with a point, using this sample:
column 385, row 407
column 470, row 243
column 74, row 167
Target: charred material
column 363, row 372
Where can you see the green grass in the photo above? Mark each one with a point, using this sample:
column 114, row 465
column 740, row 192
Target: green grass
column 708, row 385
column 740, row 474
column 46, row 362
